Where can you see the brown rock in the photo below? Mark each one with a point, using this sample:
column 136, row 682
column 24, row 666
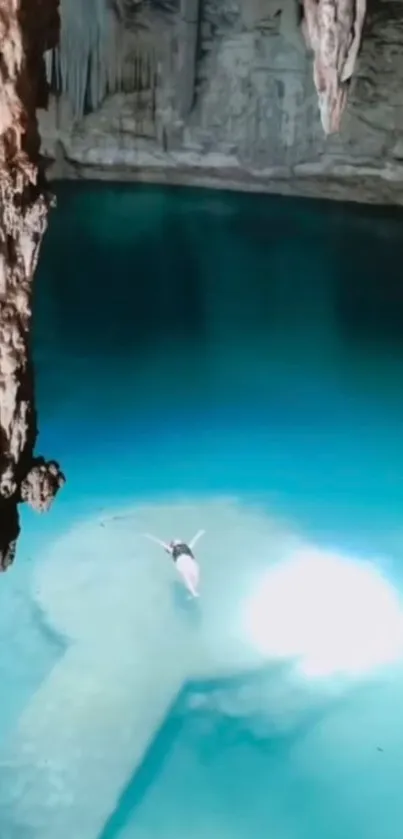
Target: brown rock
column 27, row 29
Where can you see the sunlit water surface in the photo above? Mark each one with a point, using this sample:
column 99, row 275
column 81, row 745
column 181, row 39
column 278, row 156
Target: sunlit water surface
column 233, row 363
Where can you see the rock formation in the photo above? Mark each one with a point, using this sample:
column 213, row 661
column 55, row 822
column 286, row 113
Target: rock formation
column 243, row 111
column 333, row 30
column 27, row 29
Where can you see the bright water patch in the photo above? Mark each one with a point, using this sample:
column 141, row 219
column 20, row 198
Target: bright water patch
column 333, row 615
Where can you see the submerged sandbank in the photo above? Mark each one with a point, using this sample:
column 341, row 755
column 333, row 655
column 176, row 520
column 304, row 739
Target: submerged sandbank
column 134, row 640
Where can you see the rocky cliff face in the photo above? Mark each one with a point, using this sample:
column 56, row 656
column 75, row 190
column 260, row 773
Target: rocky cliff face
column 27, row 29
column 254, row 122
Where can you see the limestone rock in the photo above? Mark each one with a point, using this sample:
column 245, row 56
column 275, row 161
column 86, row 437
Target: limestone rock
column 333, row 29
column 27, row 29
column 255, row 121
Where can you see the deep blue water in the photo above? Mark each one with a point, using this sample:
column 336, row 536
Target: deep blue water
column 239, row 343
column 191, row 343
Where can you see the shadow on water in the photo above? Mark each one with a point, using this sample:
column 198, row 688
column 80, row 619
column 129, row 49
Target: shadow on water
column 369, row 296
column 141, row 266
column 214, row 717
column 126, row 292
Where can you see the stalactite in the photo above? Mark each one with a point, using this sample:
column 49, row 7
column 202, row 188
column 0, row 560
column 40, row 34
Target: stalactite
column 27, row 29
column 153, row 88
column 188, row 38
column 333, row 30
column 90, row 61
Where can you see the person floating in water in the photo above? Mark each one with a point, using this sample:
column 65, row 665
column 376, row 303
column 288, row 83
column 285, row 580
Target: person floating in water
column 184, row 559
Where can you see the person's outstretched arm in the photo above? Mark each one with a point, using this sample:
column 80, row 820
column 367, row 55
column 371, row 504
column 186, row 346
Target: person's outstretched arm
column 166, row 547
column 196, row 538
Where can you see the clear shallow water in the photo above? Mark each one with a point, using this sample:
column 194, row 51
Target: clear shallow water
column 188, row 344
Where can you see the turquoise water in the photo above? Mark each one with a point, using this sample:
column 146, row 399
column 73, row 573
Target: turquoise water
column 259, row 326
column 193, row 344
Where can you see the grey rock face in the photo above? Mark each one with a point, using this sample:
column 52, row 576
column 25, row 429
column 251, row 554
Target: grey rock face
column 254, row 122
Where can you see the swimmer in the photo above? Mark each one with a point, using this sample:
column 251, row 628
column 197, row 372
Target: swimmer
column 184, row 559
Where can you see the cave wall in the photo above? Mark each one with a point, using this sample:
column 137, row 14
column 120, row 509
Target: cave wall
column 253, row 121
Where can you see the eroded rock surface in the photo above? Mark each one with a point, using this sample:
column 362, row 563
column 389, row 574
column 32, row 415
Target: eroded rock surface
column 255, row 121
column 27, row 29
column 333, row 30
